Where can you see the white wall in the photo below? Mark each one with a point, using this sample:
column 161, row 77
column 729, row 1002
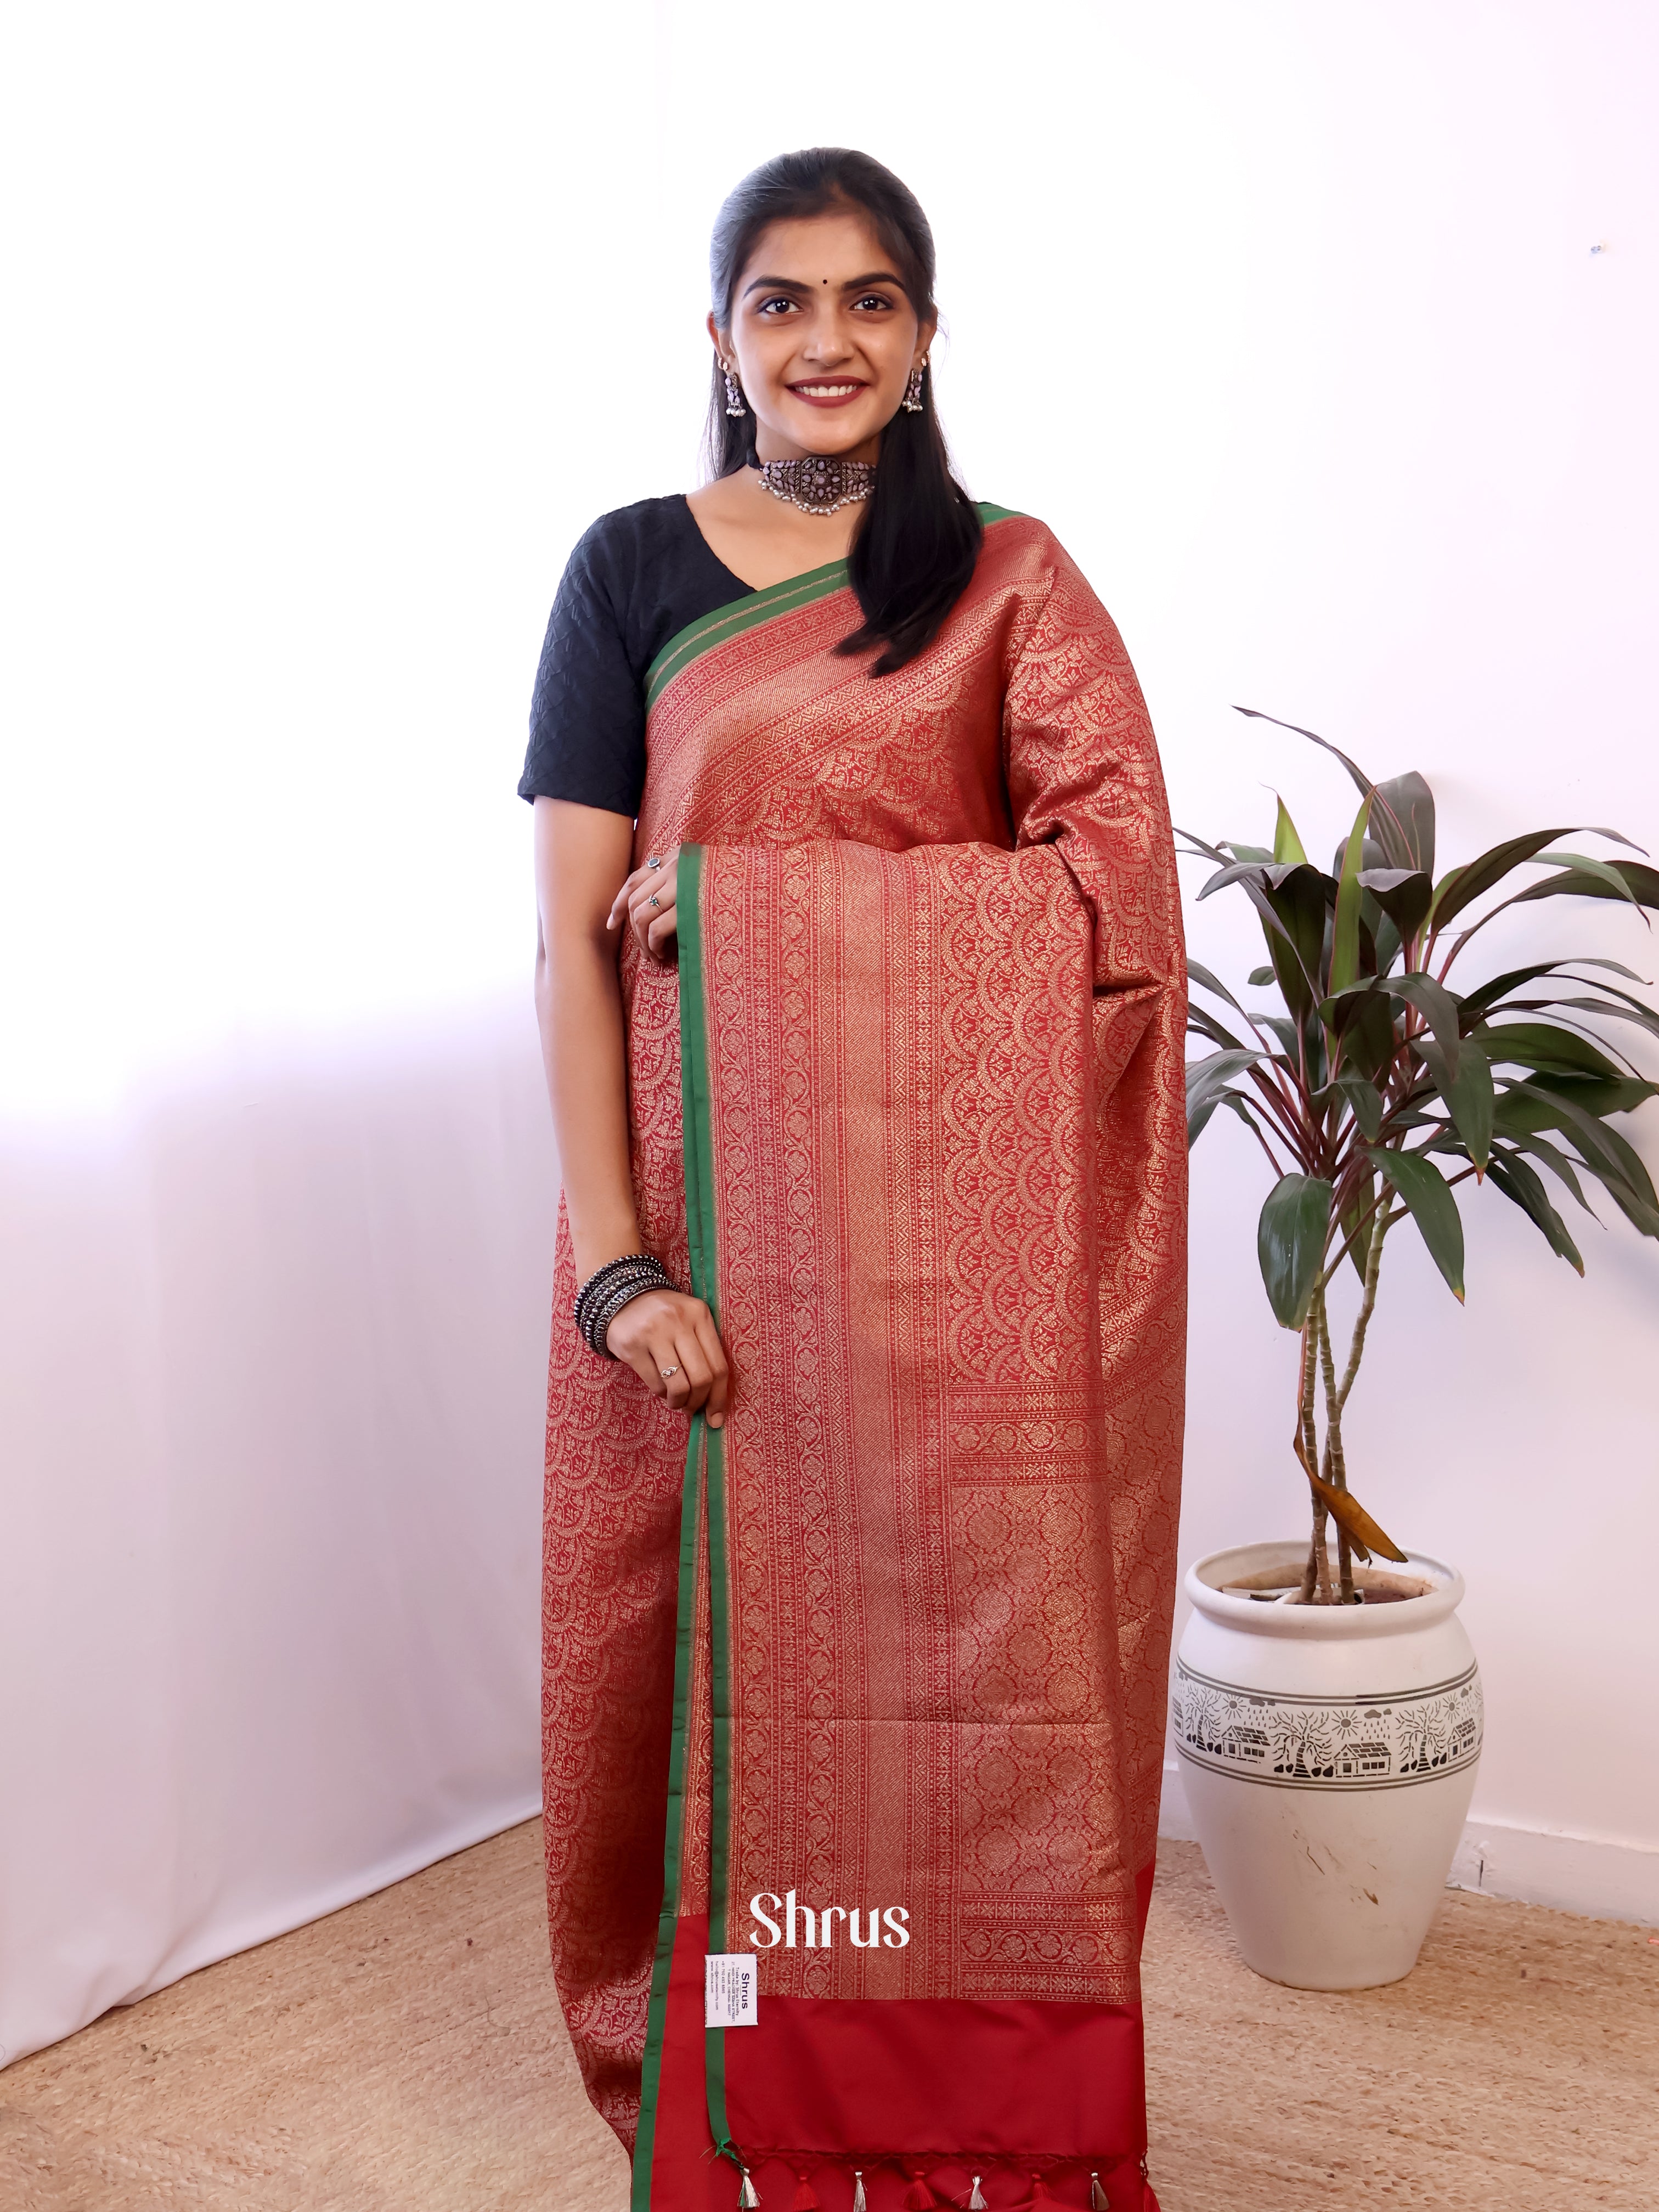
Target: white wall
column 345, row 320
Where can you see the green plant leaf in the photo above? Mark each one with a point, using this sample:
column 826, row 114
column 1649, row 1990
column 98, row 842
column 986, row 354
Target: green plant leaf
column 1290, row 1243
column 1603, row 872
column 1200, row 1022
column 1642, row 883
column 1287, row 846
column 1556, row 1161
column 1403, row 816
column 1433, row 1209
column 1235, row 871
column 1405, row 895
column 1207, row 1078
column 1344, row 932
column 1197, row 849
column 1244, row 1109
column 1402, row 819
column 1432, row 999
column 1213, row 983
column 1518, row 1181
column 1468, row 1091
column 1292, row 913
column 1539, row 1095
column 1461, row 887
column 1259, row 978
column 1360, row 1021
column 1617, row 1006
column 1366, row 1103
column 1525, row 1108
column 1289, row 1038
column 1368, row 1040
column 1362, row 781
column 1198, row 1121
column 1219, row 1066
column 1437, row 1007
column 1358, row 774
column 1487, row 996
column 1388, row 945
column 1596, row 1141
column 1357, row 1239
column 1545, row 1047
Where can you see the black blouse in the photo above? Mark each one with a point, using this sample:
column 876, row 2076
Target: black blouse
column 637, row 579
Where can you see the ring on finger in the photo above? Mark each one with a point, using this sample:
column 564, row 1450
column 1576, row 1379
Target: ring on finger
column 668, row 1373
column 653, row 900
column 655, row 861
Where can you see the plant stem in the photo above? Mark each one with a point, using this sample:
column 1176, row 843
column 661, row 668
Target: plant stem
column 1343, row 1249
column 1335, row 1468
column 1317, row 1573
column 1381, row 1226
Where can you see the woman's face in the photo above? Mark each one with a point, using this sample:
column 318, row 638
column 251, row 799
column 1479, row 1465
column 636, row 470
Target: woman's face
column 822, row 337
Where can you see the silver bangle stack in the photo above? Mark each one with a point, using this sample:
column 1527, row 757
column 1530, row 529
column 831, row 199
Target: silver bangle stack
column 613, row 1286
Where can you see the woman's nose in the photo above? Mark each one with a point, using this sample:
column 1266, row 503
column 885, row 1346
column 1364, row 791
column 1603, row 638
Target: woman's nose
column 826, row 345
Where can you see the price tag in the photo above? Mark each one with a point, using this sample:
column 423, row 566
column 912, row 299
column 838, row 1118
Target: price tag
column 731, row 1998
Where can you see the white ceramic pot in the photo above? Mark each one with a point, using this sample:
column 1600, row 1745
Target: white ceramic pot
column 1330, row 1755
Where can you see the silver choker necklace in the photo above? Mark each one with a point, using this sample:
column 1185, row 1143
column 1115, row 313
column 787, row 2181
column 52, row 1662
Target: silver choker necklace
column 817, row 484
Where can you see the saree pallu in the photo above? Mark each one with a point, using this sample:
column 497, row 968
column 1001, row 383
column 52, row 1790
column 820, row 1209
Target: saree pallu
column 869, row 1684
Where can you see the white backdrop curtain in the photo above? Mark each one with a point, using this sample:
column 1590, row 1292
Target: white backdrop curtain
column 329, row 329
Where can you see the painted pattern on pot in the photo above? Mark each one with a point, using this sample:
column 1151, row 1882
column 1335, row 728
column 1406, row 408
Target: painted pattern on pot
column 1294, row 1742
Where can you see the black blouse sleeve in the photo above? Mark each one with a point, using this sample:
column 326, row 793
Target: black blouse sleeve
column 588, row 714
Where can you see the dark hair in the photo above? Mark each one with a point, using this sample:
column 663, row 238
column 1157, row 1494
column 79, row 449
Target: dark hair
column 920, row 533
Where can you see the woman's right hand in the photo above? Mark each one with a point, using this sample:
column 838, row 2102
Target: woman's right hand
column 671, row 1342
column 647, row 903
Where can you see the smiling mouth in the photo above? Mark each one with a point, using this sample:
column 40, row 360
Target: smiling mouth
column 824, row 392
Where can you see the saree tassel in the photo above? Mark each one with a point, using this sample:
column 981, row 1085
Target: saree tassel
column 1098, row 2200
column 1040, row 2191
column 747, row 2195
column 805, row 2198
column 919, row 2197
column 977, row 2201
column 859, row 2204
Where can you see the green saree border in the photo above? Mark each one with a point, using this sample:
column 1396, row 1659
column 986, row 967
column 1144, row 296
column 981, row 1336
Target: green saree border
column 674, row 1843
column 728, row 622
column 732, row 621
column 702, row 1458
column 703, row 1510
column 702, row 1231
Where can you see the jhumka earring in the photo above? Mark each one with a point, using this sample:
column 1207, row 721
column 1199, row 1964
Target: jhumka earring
column 912, row 401
column 733, row 393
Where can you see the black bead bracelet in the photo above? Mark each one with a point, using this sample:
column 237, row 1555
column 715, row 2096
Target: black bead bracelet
column 613, row 1286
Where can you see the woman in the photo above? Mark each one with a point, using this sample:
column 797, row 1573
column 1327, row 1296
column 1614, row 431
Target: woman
column 874, row 1167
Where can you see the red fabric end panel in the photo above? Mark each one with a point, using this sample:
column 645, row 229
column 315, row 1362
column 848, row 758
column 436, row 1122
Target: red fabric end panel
column 685, row 2174
column 948, row 2076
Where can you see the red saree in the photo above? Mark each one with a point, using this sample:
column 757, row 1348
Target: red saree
column 883, row 1661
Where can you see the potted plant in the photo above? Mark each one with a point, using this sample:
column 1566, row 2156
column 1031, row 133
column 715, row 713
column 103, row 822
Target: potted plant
column 1328, row 1712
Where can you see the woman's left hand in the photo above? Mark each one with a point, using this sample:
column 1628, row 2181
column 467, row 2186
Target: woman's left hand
column 646, row 903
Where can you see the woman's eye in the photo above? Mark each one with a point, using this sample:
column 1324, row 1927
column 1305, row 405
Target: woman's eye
column 873, row 300
column 781, row 302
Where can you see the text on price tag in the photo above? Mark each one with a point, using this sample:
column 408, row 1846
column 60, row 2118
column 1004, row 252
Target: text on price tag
column 730, row 1997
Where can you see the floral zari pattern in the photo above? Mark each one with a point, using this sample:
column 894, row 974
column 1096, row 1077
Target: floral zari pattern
column 942, row 995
